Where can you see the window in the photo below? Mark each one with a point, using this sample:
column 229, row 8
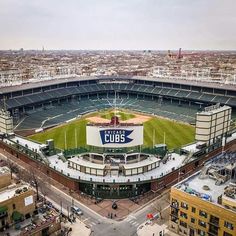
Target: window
column 192, row 220
column 174, row 219
column 229, row 225
column 184, row 215
column 214, row 220
column 193, row 209
column 184, row 224
column 202, row 223
column 227, row 234
column 14, row 206
column 203, row 214
column 201, row 232
column 174, row 203
column 184, row 205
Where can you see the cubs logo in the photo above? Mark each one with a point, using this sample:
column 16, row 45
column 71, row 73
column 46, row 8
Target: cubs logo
column 115, row 136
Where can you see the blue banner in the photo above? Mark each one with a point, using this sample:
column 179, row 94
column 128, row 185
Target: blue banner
column 115, row 136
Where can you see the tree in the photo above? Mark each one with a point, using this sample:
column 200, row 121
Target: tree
column 158, row 205
column 35, row 183
column 40, row 181
column 12, row 166
column 44, row 185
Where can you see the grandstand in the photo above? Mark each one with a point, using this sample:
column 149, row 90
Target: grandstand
column 54, row 115
column 61, row 93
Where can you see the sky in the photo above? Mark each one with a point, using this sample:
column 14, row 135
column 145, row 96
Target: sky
column 118, row 24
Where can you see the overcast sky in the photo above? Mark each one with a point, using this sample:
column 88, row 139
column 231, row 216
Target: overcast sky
column 118, row 24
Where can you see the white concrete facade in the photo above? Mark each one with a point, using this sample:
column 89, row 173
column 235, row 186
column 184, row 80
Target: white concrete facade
column 211, row 124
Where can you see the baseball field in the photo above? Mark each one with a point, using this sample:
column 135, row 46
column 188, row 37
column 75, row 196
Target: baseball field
column 155, row 128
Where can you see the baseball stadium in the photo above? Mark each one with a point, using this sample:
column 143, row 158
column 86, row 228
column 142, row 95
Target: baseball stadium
column 117, row 137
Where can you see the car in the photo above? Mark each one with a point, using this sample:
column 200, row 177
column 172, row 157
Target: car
column 76, row 210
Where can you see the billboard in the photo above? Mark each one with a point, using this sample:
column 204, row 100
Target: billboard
column 114, row 137
column 29, row 200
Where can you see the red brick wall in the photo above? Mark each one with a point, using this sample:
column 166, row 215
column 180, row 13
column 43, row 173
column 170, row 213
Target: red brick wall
column 156, row 185
column 70, row 183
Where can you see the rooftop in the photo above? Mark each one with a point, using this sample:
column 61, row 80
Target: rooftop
column 86, row 78
column 11, row 191
column 148, row 161
column 31, row 145
column 46, row 216
column 191, row 147
column 214, row 178
column 211, row 110
column 4, row 170
column 82, row 162
column 174, row 162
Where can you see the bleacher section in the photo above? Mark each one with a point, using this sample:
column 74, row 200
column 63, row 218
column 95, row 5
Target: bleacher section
column 55, row 94
column 54, row 115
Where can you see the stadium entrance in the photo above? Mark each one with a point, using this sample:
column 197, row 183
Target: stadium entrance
column 115, row 191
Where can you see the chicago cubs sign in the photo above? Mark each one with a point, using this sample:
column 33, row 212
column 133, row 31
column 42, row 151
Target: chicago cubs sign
column 121, row 136
column 115, row 136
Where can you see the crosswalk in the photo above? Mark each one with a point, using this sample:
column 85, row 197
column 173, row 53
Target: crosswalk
column 89, row 222
column 132, row 220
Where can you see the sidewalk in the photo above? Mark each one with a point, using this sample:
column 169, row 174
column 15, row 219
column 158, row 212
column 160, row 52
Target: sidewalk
column 153, row 230
column 104, row 208
column 78, row 227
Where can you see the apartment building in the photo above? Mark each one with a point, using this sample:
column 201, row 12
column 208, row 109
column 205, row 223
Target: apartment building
column 205, row 203
column 16, row 200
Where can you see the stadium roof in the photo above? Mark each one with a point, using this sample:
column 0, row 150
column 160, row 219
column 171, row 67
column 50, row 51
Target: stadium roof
column 71, row 79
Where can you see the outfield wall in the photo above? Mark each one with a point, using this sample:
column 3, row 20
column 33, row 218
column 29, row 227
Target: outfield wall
column 156, row 185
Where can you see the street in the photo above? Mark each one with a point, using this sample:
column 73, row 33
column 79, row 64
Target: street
column 99, row 225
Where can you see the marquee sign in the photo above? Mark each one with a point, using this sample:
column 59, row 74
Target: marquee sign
column 117, row 137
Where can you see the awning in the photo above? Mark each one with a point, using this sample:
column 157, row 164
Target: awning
column 3, row 209
column 16, row 215
column 150, row 216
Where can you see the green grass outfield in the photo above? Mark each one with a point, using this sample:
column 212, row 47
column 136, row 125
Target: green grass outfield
column 176, row 134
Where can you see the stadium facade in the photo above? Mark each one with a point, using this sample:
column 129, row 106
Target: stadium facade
column 143, row 172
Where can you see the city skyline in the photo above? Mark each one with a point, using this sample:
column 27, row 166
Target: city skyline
column 118, row 25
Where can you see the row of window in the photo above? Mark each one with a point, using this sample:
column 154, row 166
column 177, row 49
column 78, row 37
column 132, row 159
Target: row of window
column 201, row 213
column 227, row 225
column 213, row 219
column 199, row 231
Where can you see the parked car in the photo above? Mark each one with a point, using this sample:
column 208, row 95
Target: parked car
column 76, row 210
